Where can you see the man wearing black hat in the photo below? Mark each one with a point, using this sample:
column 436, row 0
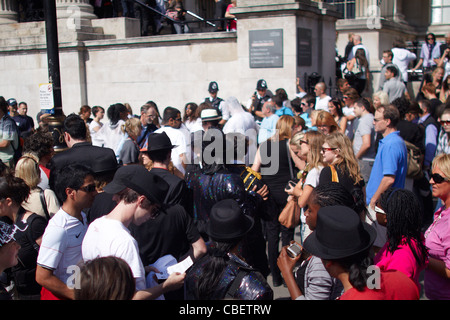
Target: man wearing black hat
column 261, row 95
column 138, row 193
column 81, row 151
column 160, row 151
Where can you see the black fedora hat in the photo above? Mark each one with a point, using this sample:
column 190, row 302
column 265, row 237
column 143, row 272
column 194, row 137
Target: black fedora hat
column 227, row 222
column 104, row 162
column 137, row 178
column 339, row 233
column 159, row 141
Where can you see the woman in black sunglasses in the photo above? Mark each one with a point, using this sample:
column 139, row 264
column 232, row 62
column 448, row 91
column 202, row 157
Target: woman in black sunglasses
column 437, row 236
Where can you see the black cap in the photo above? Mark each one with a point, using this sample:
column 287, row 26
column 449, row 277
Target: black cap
column 137, row 178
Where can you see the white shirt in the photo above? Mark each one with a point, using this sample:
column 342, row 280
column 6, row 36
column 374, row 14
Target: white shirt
column 61, row 244
column 178, row 138
column 244, row 123
column 402, row 58
column 109, row 237
column 94, row 136
column 322, row 103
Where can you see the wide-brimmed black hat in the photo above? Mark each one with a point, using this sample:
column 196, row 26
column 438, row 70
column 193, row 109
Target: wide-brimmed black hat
column 227, row 222
column 159, row 141
column 139, row 179
column 339, row 233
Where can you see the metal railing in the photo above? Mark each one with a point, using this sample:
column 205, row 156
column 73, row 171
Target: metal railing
column 207, row 22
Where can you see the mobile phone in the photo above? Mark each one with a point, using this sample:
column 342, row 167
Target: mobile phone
column 294, row 250
column 291, row 184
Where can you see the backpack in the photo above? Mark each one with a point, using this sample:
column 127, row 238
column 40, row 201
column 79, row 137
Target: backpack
column 415, row 161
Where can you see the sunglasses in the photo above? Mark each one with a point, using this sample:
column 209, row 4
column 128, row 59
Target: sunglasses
column 328, row 149
column 445, row 122
column 437, row 178
column 90, row 188
column 379, row 210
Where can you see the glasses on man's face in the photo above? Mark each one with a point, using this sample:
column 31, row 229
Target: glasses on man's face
column 89, row 188
column 437, row 178
column 444, row 122
column 327, row 149
column 430, row 38
column 377, row 120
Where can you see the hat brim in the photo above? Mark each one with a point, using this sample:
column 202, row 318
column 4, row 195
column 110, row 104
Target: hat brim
column 160, row 148
column 113, row 187
column 212, row 118
column 314, row 247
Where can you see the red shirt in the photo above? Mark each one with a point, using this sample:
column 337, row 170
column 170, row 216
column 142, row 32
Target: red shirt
column 394, row 285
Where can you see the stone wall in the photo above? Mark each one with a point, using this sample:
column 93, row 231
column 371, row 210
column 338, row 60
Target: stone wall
column 106, row 61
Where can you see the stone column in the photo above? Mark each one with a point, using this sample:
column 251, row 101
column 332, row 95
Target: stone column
column 78, row 10
column 8, row 11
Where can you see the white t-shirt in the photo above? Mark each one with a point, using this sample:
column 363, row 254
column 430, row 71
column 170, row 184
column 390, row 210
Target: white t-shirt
column 322, row 103
column 312, row 179
column 109, row 237
column 61, row 244
column 178, row 138
column 96, row 141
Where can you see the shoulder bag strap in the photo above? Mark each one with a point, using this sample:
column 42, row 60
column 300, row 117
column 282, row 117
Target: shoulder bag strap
column 334, row 175
column 44, row 204
column 236, row 283
column 289, row 160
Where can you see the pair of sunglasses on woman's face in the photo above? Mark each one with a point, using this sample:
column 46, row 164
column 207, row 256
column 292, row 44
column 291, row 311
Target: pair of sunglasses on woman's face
column 437, row 178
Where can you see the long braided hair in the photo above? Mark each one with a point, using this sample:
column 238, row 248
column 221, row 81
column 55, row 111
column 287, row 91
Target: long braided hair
column 404, row 221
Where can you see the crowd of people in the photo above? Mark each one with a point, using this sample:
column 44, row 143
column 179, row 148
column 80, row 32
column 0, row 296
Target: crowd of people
column 206, row 187
column 153, row 15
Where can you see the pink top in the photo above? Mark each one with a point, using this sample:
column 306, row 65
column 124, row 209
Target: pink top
column 437, row 240
column 402, row 260
column 233, row 24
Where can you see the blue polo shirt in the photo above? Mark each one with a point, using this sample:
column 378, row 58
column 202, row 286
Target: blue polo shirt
column 391, row 159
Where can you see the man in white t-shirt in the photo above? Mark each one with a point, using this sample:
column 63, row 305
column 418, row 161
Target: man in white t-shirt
column 322, row 98
column 180, row 138
column 60, row 250
column 139, row 194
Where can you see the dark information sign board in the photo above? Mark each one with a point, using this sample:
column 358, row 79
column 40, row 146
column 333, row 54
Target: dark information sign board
column 304, row 51
column 266, row 48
